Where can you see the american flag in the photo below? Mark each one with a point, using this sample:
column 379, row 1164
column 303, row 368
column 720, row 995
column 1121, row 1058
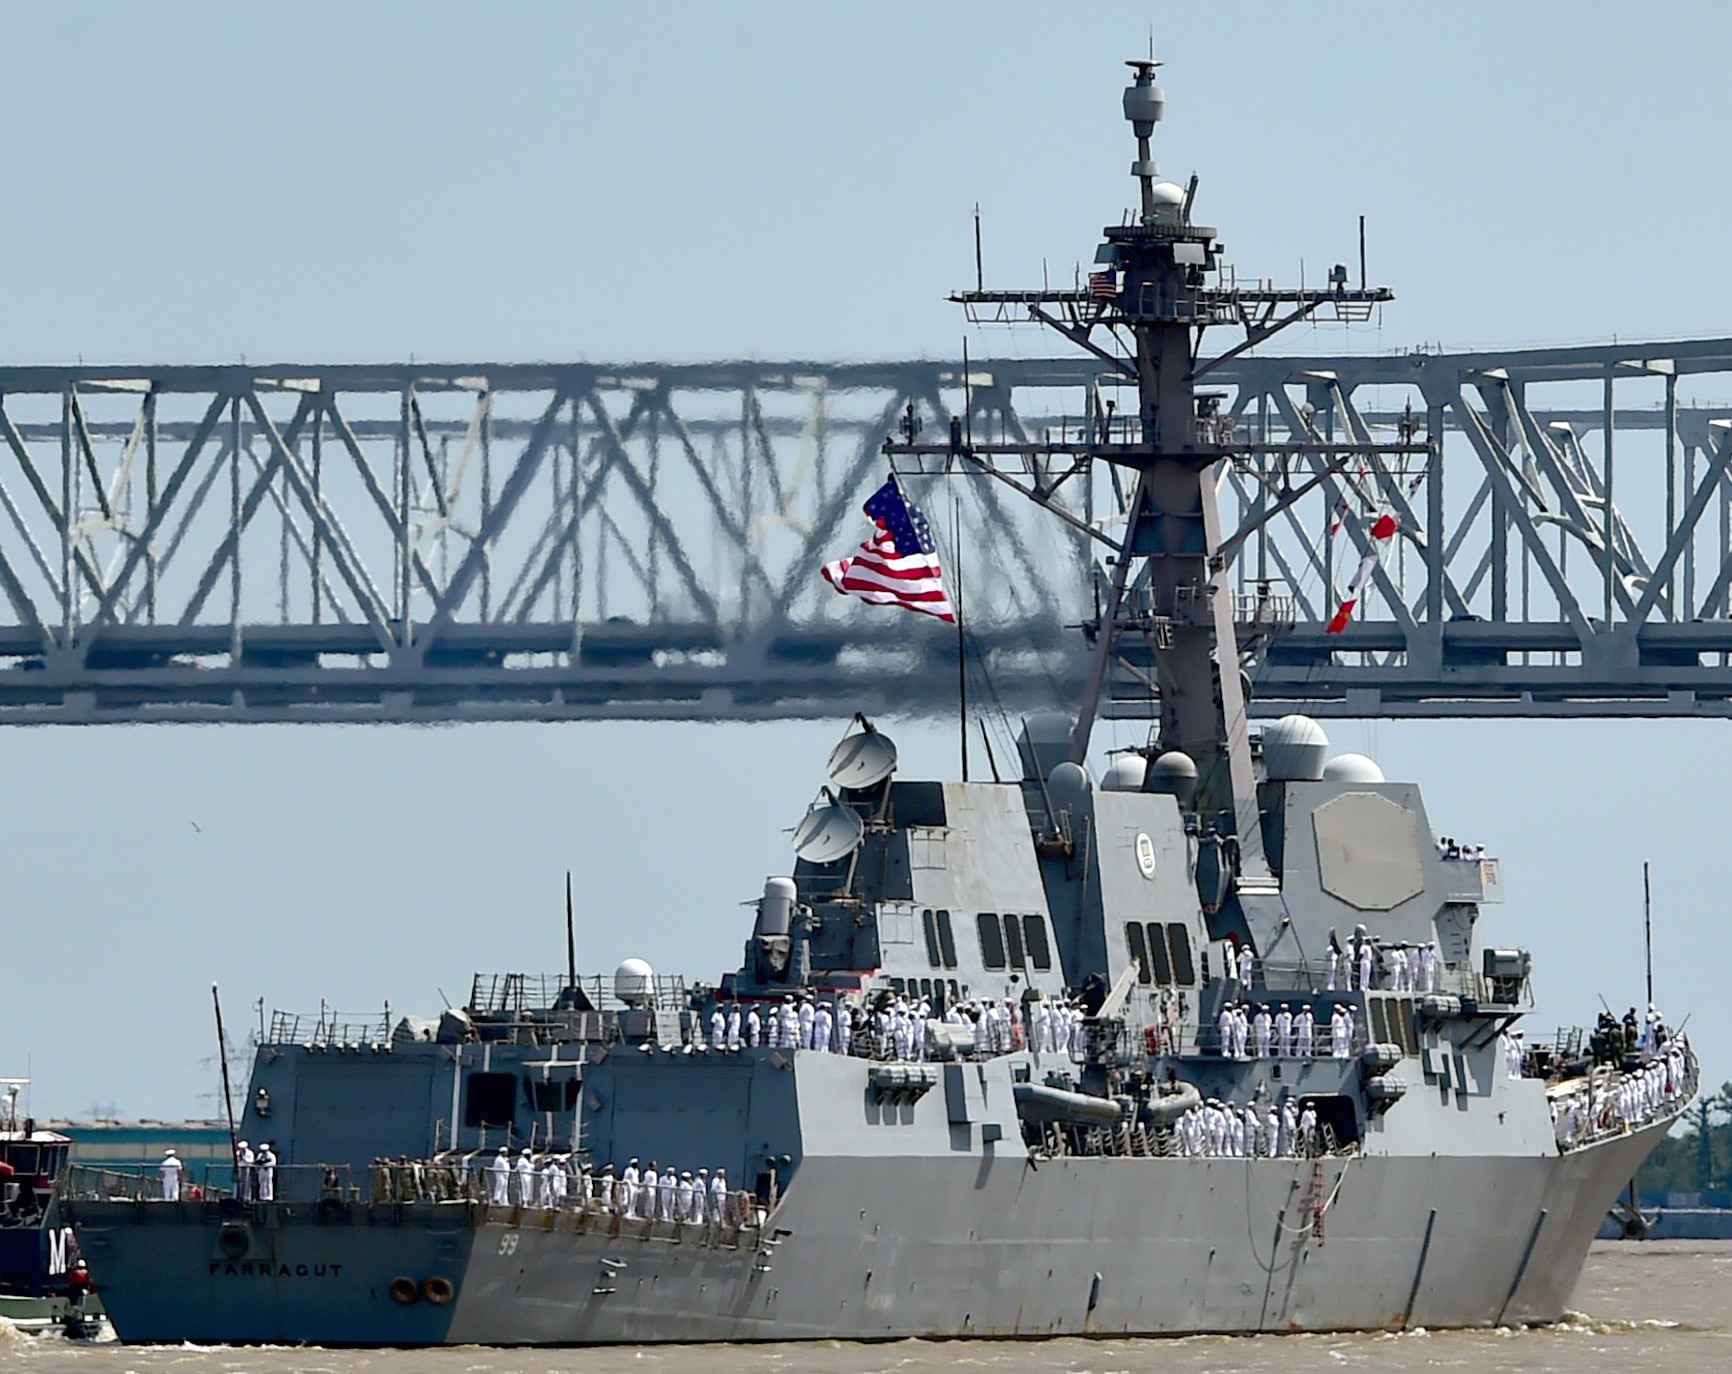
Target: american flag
column 898, row 563
column 1103, row 286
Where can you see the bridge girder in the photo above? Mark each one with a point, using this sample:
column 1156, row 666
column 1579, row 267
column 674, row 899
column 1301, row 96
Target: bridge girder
column 497, row 541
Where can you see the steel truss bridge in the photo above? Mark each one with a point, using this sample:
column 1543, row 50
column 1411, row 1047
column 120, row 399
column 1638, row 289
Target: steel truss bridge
column 527, row 541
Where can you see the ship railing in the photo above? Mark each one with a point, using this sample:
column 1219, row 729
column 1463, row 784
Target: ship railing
column 288, row 1183
column 510, row 995
column 1594, row 1109
column 466, row 1178
column 1132, row 1141
column 1208, row 1040
column 87, row 1182
column 1273, row 978
column 328, row 1029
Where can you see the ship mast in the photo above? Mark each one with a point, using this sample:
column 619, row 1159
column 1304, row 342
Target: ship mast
column 1144, row 314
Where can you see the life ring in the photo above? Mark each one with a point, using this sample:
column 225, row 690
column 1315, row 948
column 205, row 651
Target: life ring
column 438, row 1290
column 233, row 1240
column 404, row 1290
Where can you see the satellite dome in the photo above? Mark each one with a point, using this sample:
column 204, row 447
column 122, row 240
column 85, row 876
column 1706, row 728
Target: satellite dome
column 1173, row 774
column 634, row 982
column 1125, row 773
column 1294, row 749
column 1352, row 768
column 1067, row 784
column 1169, row 199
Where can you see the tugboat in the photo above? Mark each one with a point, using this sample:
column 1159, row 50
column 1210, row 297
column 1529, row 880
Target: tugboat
column 38, row 1250
column 1212, row 1043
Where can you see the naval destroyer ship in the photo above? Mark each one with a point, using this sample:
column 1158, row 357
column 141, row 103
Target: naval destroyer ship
column 1212, row 1043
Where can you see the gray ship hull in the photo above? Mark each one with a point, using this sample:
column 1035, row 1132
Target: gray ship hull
column 868, row 1248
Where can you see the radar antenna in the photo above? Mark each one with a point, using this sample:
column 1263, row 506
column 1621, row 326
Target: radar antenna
column 1144, row 314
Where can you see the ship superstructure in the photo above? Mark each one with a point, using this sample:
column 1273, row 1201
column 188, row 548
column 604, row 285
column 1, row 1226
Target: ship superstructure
column 1213, row 1042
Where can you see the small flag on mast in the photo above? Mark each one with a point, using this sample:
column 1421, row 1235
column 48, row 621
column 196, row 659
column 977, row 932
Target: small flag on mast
column 898, row 563
column 1103, row 286
column 1381, row 533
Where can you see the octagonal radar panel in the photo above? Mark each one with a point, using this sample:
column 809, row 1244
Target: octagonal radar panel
column 828, row 833
column 862, row 759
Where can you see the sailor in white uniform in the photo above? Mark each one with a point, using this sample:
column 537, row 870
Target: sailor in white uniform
column 719, row 1197
column 499, row 1173
column 1247, row 965
column 628, row 1181
column 265, row 1173
column 1334, row 974
column 1367, row 961
column 808, row 1015
column 822, row 1026
column 685, row 1196
column 670, row 1198
column 1307, row 1135
column 525, row 1178
column 733, row 1035
column 1284, row 1032
column 754, row 1027
column 1229, row 1032
column 1304, row 1032
column 844, row 1028
column 1338, row 1046
column 171, row 1169
column 243, row 1171
column 1262, row 1027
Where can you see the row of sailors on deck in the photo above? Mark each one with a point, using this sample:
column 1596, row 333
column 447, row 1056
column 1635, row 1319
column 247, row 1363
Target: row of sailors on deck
column 1632, row 1100
column 1285, row 1034
column 654, row 1194
column 797, row 1023
column 1398, row 967
column 1364, row 963
column 1224, row 1129
column 898, row 1028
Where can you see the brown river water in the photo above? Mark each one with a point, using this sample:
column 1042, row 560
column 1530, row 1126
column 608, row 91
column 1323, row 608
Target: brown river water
column 1652, row 1308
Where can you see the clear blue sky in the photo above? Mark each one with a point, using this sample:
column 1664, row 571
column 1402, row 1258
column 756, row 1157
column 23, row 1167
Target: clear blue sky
column 336, row 182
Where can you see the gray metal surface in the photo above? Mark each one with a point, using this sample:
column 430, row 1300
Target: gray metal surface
column 865, row 1247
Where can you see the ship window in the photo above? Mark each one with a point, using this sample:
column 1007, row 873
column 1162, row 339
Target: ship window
column 926, row 987
column 1139, row 951
column 955, row 996
column 1158, row 954
column 1379, row 1027
column 946, row 941
column 488, row 1099
column 1013, row 942
column 1179, row 941
column 991, row 939
column 1039, row 951
column 898, row 987
column 550, row 1095
column 931, row 927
